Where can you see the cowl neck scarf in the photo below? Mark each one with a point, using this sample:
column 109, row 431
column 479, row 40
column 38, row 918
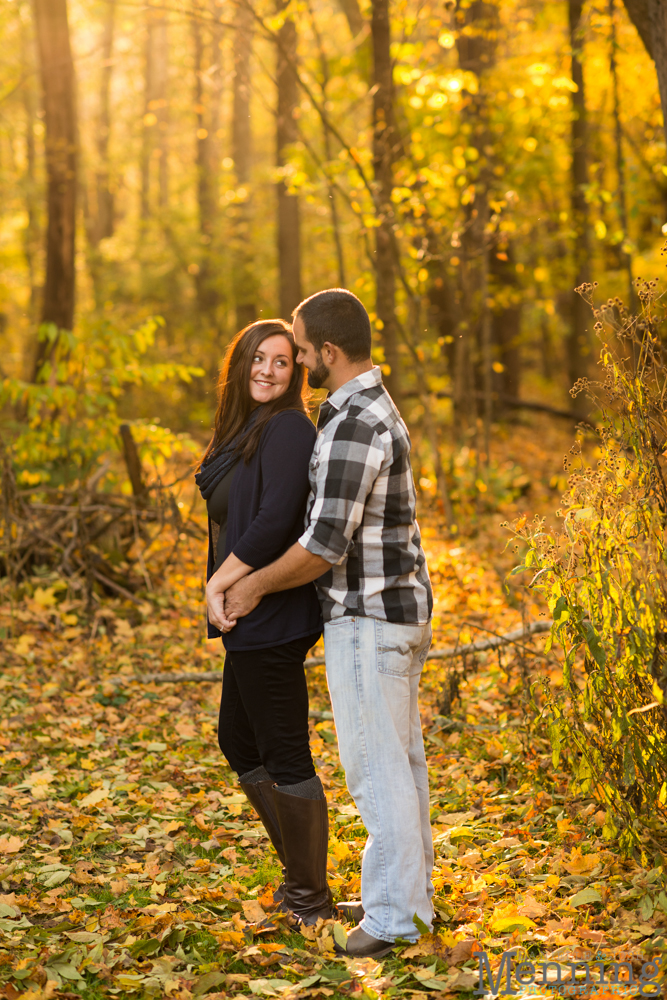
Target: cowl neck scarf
column 222, row 460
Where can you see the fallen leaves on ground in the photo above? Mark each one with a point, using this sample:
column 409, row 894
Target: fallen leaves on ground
column 132, row 865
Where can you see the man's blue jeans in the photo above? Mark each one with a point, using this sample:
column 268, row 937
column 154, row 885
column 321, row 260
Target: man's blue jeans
column 373, row 672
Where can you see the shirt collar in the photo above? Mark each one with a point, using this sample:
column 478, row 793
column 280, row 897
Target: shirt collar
column 364, row 381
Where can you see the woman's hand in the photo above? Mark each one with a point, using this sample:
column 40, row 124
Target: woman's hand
column 222, row 580
column 215, row 604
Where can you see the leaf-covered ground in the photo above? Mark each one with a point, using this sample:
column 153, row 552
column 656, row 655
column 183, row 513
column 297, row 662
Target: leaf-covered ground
column 131, row 865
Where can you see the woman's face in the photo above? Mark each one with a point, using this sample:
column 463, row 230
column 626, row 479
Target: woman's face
column 271, row 370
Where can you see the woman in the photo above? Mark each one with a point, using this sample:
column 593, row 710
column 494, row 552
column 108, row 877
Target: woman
column 254, row 478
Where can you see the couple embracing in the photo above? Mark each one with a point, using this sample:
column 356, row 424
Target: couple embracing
column 313, row 530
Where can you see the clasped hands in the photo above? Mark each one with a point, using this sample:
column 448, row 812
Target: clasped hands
column 225, row 607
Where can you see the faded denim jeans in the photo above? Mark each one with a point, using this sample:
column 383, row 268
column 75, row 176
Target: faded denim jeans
column 373, row 672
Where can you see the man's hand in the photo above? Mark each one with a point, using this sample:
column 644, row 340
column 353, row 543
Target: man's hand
column 241, row 599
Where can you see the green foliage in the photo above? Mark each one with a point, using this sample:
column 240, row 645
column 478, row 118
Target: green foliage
column 605, row 579
column 70, row 414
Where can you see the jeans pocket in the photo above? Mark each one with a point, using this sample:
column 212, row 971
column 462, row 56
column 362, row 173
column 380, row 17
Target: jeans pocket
column 343, row 620
column 397, row 646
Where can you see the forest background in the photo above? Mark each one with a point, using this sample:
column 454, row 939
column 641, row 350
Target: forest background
column 172, row 171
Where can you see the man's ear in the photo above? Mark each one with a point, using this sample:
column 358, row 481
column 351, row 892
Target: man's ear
column 329, row 353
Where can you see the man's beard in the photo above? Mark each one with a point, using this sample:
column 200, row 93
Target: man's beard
column 318, row 376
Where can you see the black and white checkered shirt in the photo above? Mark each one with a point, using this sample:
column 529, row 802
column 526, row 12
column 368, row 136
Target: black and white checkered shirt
column 361, row 509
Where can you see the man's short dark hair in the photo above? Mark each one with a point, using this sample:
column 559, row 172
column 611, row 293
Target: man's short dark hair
column 337, row 316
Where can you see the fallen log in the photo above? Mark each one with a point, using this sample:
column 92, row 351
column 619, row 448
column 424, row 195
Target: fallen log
column 214, row 676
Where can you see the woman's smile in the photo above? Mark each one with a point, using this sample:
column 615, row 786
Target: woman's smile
column 271, row 369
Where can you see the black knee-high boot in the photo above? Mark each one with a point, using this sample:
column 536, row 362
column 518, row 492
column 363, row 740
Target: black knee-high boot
column 257, row 786
column 304, row 827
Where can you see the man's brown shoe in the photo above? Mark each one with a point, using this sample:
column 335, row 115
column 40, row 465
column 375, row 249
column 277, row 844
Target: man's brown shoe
column 351, row 911
column 363, row 945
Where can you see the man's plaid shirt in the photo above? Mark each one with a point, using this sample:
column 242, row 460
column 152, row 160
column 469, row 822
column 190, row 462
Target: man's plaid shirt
column 361, row 509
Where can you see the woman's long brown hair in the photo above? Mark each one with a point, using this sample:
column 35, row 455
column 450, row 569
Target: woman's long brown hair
column 235, row 404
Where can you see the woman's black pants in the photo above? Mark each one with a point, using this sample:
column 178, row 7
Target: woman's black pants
column 264, row 711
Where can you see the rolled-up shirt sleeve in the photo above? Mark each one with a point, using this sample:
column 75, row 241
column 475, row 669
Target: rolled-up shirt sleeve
column 347, row 469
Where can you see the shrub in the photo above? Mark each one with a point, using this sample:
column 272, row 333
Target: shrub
column 70, row 415
column 60, row 510
column 605, row 579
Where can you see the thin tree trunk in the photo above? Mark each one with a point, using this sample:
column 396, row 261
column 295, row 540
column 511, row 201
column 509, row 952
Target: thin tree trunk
column 355, row 18
column 31, row 232
column 103, row 223
column 160, row 67
column 154, row 142
column 61, row 143
column 360, row 31
column 245, row 284
column 99, row 210
column 650, row 19
column 487, row 358
column 385, row 148
column 335, row 221
column 620, row 158
column 289, row 228
column 206, row 285
column 149, row 120
column 477, row 45
column 506, row 323
column 578, row 342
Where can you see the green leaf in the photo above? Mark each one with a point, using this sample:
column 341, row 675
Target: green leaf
column 340, row 937
column 593, row 643
column 420, row 925
column 55, row 878
column 66, row 970
column 310, row 981
column 270, row 987
column 207, row 982
column 584, row 897
column 147, row 946
column 561, row 607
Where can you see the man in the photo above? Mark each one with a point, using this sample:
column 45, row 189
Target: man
column 362, row 545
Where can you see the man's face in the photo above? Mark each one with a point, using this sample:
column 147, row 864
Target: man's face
column 318, row 373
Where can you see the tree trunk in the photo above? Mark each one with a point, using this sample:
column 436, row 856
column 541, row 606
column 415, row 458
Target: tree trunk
column 102, row 225
column 506, row 324
column 650, row 19
column 245, row 284
column 328, row 153
column 620, row 158
column 355, row 18
column 31, row 232
column 578, row 341
column 61, row 143
column 155, row 139
column 160, row 64
column 360, row 31
column 289, row 230
column 385, row 149
column 205, row 281
column 99, row 210
column 477, row 44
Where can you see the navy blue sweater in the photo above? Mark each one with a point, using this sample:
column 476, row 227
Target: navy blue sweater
column 267, row 506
